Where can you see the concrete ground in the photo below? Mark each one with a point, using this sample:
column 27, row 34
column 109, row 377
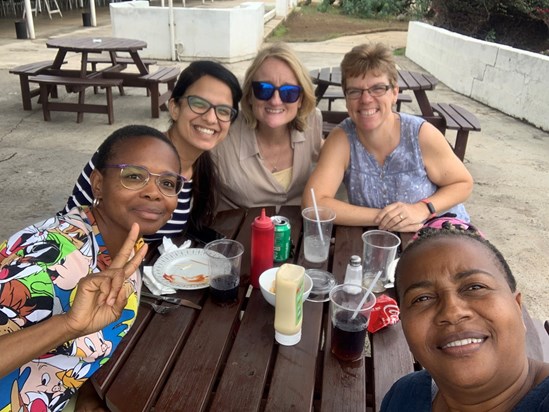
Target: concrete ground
column 39, row 160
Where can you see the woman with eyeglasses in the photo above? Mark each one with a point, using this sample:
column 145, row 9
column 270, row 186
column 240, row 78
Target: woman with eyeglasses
column 397, row 168
column 70, row 285
column 274, row 143
column 203, row 104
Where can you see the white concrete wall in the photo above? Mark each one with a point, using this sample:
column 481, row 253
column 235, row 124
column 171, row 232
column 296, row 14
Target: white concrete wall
column 508, row 79
column 227, row 35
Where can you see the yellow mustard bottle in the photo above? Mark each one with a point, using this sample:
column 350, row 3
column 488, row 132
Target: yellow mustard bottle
column 289, row 304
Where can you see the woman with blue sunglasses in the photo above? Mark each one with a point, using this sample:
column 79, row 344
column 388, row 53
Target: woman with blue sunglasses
column 275, row 141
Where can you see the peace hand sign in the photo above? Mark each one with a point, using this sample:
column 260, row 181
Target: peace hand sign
column 100, row 297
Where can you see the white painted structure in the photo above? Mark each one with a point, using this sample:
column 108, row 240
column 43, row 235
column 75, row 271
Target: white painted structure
column 508, row 79
column 226, row 35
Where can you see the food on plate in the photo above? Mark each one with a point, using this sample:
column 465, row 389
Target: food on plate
column 190, row 279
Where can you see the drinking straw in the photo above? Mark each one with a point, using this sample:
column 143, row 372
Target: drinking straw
column 363, row 301
column 317, row 217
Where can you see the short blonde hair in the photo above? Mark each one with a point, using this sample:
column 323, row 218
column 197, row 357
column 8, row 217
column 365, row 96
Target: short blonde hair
column 284, row 53
column 364, row 58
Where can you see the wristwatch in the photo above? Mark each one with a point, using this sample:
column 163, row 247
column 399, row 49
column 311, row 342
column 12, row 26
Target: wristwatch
column 431, row 208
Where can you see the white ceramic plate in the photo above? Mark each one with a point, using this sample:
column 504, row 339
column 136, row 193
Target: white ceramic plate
column 391, row 272
column 183, row 269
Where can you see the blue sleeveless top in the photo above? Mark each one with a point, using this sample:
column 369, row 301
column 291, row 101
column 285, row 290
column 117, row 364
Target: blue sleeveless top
column 402, row 177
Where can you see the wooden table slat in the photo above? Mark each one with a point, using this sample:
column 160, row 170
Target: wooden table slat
column 106, row 374
column 391, row 360
column 343, row 383
column 293, row 382
column 146, row 368
column 192, row 378
column 245, row 374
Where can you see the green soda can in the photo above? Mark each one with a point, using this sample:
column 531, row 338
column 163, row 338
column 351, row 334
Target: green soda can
column 282, row 238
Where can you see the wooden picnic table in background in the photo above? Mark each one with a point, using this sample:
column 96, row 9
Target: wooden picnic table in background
column 91, row 45
column 443, row 116
column 117, row 53
column 417, row 82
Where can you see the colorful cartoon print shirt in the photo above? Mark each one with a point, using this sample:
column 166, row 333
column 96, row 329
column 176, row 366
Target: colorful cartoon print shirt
column 40, row 267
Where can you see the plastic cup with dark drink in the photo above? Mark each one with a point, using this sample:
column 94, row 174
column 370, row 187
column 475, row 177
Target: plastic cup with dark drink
column 224, row 257
column 349, row 329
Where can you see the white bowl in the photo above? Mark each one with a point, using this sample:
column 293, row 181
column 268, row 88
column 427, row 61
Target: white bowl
column 266, row 281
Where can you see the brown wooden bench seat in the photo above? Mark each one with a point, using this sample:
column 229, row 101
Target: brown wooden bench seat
column 457, row 118
column 122, row 61
column 167, row 75
column 46, row 82
column 31, row 69
column 95, row 60
column 334, row 94
column 331, row 119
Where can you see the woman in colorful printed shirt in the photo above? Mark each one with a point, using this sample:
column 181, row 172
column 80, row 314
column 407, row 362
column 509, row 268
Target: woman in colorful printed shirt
column 72, row 282
column 194, row 130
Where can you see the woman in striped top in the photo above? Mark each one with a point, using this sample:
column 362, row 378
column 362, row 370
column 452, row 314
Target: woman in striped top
column 194, row 130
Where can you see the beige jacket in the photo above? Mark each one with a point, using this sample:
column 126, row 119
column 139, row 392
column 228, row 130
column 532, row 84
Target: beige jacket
column 245, row 182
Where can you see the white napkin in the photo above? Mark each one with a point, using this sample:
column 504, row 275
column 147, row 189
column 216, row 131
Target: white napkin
column 168, row 246
column 154, row 285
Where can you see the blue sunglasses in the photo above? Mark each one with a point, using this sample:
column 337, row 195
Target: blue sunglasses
column 289, row 93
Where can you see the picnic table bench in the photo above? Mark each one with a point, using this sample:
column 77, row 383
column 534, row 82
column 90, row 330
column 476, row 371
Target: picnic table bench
column 165, row 75
column 114, row 60
column 441, row 115
column 457, row 118
column 24, row 72
column 103, row 59
column 151, row 81
column 48, row 82
column 335, row 94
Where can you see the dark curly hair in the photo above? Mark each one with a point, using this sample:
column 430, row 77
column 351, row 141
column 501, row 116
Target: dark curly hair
column 429, row 234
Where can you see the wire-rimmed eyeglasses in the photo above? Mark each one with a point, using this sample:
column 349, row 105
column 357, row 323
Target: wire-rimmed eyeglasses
column 377, row 90
column 134, row 177
column 223, row 112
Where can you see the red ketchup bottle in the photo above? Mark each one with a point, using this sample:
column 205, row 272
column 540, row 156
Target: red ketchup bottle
column 262, row 250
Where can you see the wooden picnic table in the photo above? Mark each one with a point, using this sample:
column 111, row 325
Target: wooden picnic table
column 226, row 358
column 218, row 359
column 87, row 45
column 443, row 116
column 111, row 50
column 417, row 82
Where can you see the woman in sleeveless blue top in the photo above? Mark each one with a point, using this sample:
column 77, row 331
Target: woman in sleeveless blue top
column 398, row 169
column 462, row 317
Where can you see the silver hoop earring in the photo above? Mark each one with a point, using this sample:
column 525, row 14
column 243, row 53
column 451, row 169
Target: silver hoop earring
column 96, row 202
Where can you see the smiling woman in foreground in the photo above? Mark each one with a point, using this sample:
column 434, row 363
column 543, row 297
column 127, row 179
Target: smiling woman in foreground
column 70, row 285
column 462, row 318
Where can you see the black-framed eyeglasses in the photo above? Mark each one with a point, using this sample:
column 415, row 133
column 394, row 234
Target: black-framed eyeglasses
column 223, row 112
column 289, row 93
column 377, row 90
column 134, row 177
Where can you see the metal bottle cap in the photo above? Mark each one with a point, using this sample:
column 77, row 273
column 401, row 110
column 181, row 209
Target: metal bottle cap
column 355, row 260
